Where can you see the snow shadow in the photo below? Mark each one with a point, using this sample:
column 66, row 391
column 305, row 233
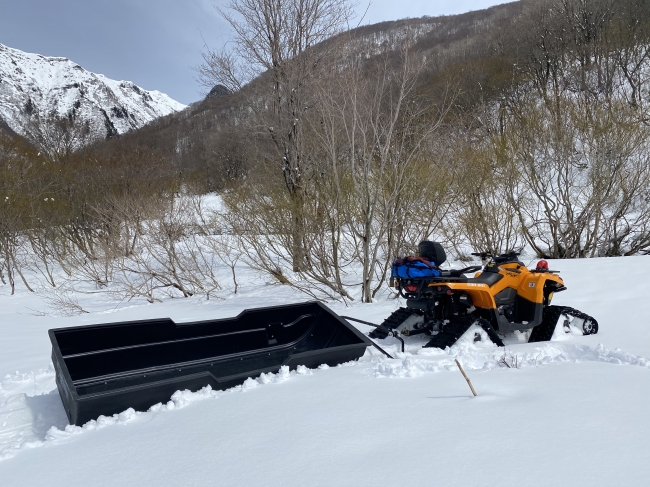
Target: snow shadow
column 25, row 420
column 47, row 411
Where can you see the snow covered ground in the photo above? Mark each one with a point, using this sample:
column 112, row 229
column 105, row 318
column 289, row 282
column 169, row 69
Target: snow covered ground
column 573, row 413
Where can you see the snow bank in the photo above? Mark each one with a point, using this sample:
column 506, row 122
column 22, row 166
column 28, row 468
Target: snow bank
column 488, row 357
column 18, row 428
column 18, row 419
column 356, row 423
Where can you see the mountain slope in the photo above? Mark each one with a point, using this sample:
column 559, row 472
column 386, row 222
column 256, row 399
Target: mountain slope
column 208, row 138
column 36, row 87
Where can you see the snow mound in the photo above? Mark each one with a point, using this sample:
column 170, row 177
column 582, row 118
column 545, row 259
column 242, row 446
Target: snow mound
column 484, row 355
column 35, row 421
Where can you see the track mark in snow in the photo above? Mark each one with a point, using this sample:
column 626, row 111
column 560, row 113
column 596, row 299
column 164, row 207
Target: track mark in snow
column 26, row 420
column 29, row 407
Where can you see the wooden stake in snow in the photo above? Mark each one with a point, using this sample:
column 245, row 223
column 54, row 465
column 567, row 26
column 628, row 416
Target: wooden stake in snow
column 466, row 378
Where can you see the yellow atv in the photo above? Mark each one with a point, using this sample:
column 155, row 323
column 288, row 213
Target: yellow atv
column 502, row 298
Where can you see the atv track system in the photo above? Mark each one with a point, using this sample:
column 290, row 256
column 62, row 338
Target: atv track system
column 450, row 333
column 446, row 337
column 544, row 331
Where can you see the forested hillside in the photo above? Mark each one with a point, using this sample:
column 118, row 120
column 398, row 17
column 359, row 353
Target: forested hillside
column 523, row 125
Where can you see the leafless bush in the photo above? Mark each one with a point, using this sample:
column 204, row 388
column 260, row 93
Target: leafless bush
column 60, row 136
column 482, row 215
column 170, row 257
column 374, row 132
column 277, row 39
column 581, row 181
column 509, row 360
column 260, row 225
column 62, row 303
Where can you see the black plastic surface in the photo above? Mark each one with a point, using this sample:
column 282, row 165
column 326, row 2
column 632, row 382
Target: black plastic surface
column 105, row 369
column 432, row 251
column 489, row 278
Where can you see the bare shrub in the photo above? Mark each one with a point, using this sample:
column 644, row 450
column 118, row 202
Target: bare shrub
column 277, row 39
column 374, row 133
column 580, row 181
column 509, row 360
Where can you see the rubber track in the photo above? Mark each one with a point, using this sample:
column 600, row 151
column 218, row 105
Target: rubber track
column 485, row 324
column 579, row 314
column 391, row 323
column 544, row 331
column 453, row 331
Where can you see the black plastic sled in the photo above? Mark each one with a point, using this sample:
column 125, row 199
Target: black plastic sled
column 105, row 369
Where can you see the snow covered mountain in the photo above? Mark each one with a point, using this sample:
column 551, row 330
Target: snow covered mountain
column 36, row 87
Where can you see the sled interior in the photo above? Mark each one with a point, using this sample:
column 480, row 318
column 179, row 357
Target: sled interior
column 107, row 368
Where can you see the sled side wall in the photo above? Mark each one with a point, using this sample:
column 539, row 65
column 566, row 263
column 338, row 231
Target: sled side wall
column 107, row 368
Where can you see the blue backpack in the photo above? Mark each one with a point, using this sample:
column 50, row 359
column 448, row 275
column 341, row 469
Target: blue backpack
column 413, row 267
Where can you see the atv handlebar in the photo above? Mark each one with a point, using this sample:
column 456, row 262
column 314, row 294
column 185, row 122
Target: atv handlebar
column 482, row 255
column 472, row 268
column 498, row 259
column 512, row 253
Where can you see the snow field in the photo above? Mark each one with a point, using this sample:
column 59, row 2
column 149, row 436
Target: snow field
column 574, row 412
column 537, row 426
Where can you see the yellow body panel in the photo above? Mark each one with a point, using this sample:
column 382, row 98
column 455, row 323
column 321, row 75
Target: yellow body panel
column 529, row 285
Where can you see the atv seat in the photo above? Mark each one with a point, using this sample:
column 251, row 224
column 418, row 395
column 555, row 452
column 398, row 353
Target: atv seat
column 448, row 278
column 489, row 278
column 451, row 273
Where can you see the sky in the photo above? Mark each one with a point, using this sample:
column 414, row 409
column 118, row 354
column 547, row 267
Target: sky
column 155, row 43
